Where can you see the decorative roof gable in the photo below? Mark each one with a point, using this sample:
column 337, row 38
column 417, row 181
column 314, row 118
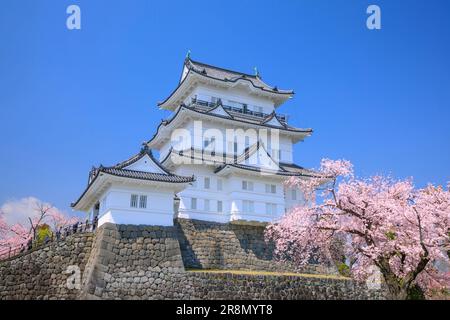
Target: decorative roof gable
column 140, row 168
column 272, row 120
column 257, row 156
column 220, row 111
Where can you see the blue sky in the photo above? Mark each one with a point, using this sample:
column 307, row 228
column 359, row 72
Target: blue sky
column 73, row 99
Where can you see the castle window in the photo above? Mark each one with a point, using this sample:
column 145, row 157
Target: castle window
column 194, row 203
column 207, row 183
column 143, row 202
column 294, row 194
column 206, row 205
column 215, row 100
column 271, row 209
column 134, row 201
column 219, row 184
column 219, row 206
column 271, row 188
column 247, row 185
column 248, row 206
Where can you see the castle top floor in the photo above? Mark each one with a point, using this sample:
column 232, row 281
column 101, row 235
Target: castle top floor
column 245, row 93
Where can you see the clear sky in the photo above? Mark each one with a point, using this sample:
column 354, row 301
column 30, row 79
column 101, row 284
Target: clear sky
column 73, row 99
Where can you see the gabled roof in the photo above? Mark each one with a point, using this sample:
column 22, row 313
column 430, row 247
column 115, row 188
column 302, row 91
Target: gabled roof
column 219, row 110
column 231, row 76
column 142, row 175
column 223, row 160
column 221, row 76
column 257, row 159
column 154, row 172
column 273, row 120
column 145, row 152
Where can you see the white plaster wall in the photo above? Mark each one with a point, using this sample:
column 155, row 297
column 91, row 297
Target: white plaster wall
column 232, row 196
column 136, row 218
column 115, row 206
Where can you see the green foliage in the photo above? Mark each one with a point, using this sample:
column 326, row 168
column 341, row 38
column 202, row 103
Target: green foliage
column 391, row 235
column 343, row 269
column 42, row 233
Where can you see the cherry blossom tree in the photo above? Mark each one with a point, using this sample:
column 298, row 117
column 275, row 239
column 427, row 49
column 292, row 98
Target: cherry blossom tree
column 15, row 235
column 12, row 236
column 381, row 222
column 60, row 220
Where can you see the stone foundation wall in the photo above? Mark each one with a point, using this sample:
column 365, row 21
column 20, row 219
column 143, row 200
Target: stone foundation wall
column 148, row 262
column 230, row 286
column 136, row 262
column 41, row 273
column 211, row 245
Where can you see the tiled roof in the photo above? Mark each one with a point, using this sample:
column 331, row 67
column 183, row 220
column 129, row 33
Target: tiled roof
column 248, row 116
column 227, row 76
column 286, row 128
column 287, row 169
column 295, row 169
column 245, row 120
column 119, row 171
column 282, row 172
column 144, row 151
column 231, row 76
column 142, row 175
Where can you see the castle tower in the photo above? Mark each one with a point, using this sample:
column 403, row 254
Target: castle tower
column 226, row 132
column 224, row 154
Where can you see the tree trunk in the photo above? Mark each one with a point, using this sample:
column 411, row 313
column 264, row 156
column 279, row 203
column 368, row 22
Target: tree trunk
column 402, row 291
column 396, row 291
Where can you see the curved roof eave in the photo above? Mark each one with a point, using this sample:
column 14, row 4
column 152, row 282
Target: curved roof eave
column 286, row 93
column 285, row 129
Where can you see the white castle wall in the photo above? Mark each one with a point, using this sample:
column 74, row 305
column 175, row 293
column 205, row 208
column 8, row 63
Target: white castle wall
column 115, row 206
column 232, row 196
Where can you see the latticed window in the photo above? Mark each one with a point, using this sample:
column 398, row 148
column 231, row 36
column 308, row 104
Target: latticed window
column 134, row 201
column 271, row 209
column 248, row 206
column 143, row 202
column 194, row 203
column 247, row 185
column 271, row 188
column 207, row 183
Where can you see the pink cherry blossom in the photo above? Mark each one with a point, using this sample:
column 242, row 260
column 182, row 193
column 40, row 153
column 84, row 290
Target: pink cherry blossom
column 17, row 235
column 379, row 221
